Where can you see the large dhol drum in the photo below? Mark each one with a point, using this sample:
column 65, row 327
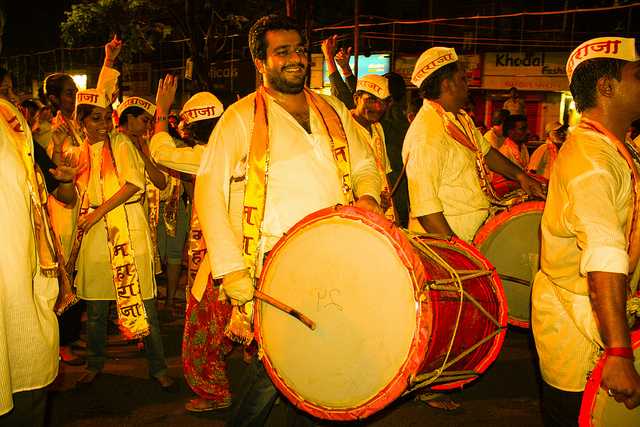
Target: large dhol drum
column 511, row 242
column 393, row 313
column 598, row 409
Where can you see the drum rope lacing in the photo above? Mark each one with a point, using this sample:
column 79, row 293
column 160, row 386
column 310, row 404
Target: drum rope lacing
column 432, row 377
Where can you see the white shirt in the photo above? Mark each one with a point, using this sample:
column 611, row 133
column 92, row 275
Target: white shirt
column 583, row 230
column 183, row 159
column 376, row 142
column 28, row 325
column 303, row 177
column 442, row 175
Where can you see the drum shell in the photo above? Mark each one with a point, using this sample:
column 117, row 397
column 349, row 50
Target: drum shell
column 598, row 409
column 434, row 316
column 506, row 251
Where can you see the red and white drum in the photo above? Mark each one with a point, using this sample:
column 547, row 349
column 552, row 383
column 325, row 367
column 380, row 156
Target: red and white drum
column 511, row 242
column 598, row 409
column 393, row 312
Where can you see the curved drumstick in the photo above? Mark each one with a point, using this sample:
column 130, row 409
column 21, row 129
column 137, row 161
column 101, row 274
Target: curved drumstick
column 282, row 306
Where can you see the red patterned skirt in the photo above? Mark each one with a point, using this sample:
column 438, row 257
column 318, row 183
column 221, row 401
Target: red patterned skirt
column 204, row 345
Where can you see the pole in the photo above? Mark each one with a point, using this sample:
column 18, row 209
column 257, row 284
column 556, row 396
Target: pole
column 356, row 36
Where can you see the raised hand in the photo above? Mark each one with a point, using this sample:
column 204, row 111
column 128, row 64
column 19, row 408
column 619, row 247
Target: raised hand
column 166, row 93
column 112, row 50
column 342, row 58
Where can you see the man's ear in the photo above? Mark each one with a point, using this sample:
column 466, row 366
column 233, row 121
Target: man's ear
column 445, row 85
column 259, row 63
column 604, row 86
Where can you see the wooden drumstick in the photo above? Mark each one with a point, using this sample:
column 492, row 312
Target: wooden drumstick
column 282, row 306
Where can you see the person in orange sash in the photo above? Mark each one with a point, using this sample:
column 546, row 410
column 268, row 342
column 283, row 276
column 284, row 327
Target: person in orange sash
column 444, row 152
column 514, row 148
column 495, row 135
column 544, row 156
column 28, row 273
column 274, row 157
column 115, row 252
column 590, row 237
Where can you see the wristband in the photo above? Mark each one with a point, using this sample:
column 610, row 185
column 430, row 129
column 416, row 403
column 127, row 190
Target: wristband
column 624, row 352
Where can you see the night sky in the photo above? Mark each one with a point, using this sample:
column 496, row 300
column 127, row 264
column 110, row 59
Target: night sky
column 32, row 25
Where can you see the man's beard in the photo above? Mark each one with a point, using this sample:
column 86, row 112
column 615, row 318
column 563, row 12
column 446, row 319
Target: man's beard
column 281, row 84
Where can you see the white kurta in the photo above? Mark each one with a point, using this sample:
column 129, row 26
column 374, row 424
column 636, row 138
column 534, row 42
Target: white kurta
column 442, row 175
column 583, row 230
column 28, row 325
column 303, row 177
column 95, row 279
column 165, row 152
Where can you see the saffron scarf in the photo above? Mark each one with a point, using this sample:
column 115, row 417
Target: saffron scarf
column 12, row 127
column 258, row 167
column 465, row 137
column 132, row 317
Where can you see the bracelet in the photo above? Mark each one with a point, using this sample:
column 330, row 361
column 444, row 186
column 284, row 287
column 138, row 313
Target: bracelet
column 624, row 352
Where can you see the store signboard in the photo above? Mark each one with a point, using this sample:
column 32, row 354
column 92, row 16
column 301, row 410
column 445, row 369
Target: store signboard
column 543, row 71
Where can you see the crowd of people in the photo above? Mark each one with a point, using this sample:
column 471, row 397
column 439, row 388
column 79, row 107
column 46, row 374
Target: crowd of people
column 96, row 202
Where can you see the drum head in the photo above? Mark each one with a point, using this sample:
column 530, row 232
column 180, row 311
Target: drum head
column 511, row 242
column 351, row 278
column 601, row 410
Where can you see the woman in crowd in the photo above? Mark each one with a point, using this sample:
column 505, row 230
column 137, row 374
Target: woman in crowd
column 115, row 255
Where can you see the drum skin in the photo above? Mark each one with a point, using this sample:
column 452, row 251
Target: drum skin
column 511, row 242
column 425, row 320
column 598, row 409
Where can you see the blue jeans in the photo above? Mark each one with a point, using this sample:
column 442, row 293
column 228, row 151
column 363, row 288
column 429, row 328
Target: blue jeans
column 98, row 314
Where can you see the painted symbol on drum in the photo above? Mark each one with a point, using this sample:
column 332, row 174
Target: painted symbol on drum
column 327, row 298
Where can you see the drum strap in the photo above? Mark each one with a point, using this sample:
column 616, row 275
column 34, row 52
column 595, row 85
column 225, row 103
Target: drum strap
column 462, row 131
column 258, row 167
column 632, row 158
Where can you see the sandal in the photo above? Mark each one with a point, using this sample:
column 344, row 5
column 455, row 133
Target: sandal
column 199, row 404
column 87, row 378
column 167, row 383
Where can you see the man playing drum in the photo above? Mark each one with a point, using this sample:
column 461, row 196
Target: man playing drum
column 446, row 156
column 590, row 239
column 274, row 157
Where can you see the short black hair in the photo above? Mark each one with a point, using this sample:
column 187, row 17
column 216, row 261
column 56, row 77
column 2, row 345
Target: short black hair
column 53, row 85
column 83, row 111
column 129, row 111
column 585, row 78
column 430, row 87
column 258, row 32
column 397, row 87
column 201, row 130
column 510, row 122
column 499, row 116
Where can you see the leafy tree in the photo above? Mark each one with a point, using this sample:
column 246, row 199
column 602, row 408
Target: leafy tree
column 143, row 24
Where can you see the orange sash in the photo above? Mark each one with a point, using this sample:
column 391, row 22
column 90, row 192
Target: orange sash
column 466, row 137
column 258, row 167
column 132, row 317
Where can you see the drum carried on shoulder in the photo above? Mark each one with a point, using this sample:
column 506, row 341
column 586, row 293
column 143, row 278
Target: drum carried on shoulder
column 598, row 409
column 511, row 242
column 394, row 313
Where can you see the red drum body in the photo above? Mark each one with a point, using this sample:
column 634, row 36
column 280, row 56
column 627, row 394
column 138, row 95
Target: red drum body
column 393, row 313
column 598, row 409
column 511, row 242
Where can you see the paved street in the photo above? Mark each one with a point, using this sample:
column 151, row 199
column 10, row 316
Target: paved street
column 507, row 395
